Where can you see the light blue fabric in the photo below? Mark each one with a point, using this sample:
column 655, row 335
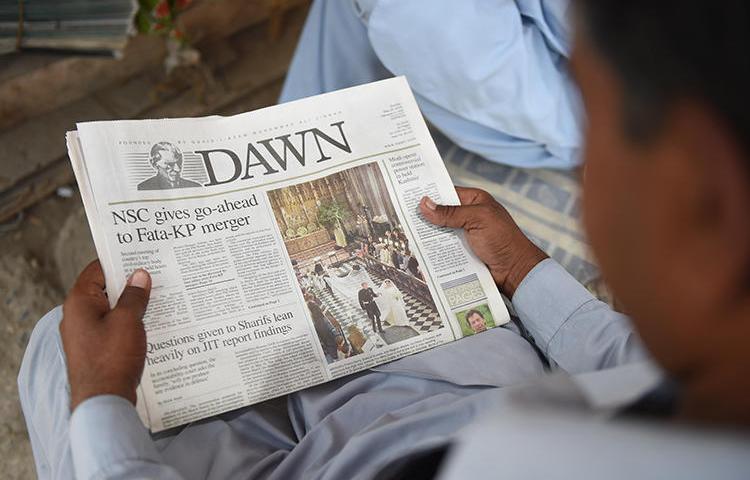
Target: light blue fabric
column 491, row 75
column 571, row 318
column 563, row 437
column 348, row 428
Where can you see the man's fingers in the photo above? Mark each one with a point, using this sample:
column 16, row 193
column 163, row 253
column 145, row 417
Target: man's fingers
column 87, row 298
column 91, row 279
column 453, row 216
column 473, row 196
column 134, row 298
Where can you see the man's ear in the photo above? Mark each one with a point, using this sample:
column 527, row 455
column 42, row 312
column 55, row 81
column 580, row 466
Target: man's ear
column 713, row 183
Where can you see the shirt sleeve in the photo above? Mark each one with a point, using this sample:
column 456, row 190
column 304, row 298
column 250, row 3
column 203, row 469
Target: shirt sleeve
column 108, row 440
column 575, row 331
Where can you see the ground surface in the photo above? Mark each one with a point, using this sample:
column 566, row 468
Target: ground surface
column 42, row 252
column 39, row 258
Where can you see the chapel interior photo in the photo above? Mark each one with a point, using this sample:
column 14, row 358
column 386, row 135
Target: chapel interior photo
column 342, row 230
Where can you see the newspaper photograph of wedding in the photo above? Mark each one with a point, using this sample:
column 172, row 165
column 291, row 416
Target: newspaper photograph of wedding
column 362, row 284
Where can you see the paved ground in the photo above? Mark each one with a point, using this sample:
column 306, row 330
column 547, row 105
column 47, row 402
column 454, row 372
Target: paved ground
column 39, row 258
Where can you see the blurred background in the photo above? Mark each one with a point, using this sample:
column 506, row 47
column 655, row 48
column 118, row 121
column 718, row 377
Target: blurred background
column 74, row 61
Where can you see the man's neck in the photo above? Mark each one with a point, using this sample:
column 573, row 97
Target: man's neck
column 719, row 392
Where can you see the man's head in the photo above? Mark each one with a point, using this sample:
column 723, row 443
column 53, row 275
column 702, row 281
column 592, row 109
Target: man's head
column 667, row 170
column 476, row 322
column 364, row 285
column 167, row 160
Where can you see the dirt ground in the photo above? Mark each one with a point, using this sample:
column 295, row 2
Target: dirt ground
column 40, row 255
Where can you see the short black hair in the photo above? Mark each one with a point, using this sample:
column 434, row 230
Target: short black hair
column 664, row 51
column 473, row 312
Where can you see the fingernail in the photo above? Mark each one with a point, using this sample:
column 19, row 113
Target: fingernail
column 429, row 203
column 139, row 279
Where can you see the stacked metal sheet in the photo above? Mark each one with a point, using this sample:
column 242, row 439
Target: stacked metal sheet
column 90, row 26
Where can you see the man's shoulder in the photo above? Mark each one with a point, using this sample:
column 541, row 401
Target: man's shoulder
column 543, row 417
column 616, row 449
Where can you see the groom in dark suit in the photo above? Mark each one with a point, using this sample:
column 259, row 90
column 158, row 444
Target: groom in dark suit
column 367, row 302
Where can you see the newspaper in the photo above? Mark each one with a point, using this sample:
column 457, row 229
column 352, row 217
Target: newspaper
column 285, row 245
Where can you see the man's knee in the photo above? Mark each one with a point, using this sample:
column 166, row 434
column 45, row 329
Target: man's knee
column 44, row 359
column 45, row 397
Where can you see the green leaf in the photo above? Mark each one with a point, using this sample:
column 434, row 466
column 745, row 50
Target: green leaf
column 143, row 22
column 148, row 4
column 332, row 212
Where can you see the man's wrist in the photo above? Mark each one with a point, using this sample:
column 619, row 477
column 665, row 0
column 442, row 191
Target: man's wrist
column 78, row 395
column 523, row 264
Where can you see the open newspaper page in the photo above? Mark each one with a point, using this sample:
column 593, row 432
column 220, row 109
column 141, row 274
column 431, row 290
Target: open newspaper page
column 285, row 245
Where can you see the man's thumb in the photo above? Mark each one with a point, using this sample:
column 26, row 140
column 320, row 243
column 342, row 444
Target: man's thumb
column 453, row 216
column 134, row 297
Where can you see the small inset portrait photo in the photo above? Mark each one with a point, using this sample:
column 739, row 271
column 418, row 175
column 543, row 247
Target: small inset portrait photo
column 166, row 159
column 475, row 320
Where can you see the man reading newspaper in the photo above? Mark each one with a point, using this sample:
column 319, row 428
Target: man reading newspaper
column 667, row 189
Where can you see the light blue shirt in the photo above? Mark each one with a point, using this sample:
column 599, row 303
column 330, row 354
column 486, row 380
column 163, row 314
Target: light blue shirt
column 490, row 74
column 363, row 422
column 487, row 396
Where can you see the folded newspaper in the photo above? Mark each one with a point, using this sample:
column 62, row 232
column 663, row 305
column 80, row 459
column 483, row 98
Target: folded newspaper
column 285, row 245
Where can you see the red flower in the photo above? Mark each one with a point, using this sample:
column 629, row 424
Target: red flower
column 161, row 10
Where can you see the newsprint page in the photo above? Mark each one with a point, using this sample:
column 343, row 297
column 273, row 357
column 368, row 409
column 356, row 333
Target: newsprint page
column 285, row 245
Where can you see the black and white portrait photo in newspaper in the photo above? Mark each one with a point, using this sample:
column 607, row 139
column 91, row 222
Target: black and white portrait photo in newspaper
column 167, row 161
column 363, row 285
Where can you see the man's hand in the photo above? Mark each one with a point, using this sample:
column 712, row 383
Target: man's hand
column 105, row 348
column 492, row 234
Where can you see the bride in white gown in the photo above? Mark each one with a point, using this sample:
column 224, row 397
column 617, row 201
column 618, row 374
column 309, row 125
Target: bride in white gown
column 391, row 302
